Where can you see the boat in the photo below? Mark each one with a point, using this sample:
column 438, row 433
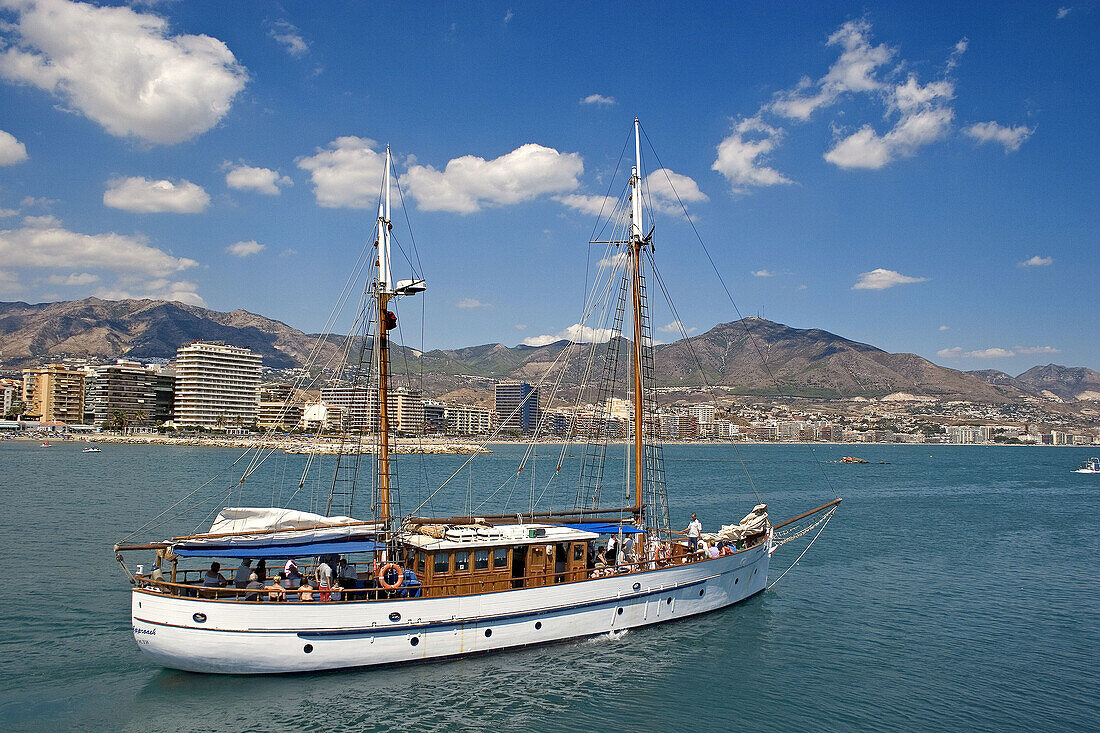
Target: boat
column 1092, row 465
column 852, row 459
column 45, row 445
column 425, row 588
column 92, row 449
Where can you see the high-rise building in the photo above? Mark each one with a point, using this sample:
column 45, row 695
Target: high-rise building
column 279, row 407
column 359, row 408
column 122, row 394
column 11, row 393
column 517, row 403
column 216, row 385
column 435, row 417
column 54, row 393
column 469, row 420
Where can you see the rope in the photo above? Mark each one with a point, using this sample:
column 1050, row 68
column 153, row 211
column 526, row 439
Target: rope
column 824, row 522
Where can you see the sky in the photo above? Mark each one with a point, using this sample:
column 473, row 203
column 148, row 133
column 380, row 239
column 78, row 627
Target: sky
column 917, row 176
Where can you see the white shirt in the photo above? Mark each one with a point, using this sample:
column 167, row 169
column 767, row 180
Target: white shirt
column 695, row 528
column 324, row 574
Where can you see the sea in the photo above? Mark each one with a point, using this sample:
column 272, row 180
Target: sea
column 956, row 588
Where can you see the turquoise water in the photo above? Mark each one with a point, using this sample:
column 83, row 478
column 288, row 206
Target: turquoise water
column 956, row 589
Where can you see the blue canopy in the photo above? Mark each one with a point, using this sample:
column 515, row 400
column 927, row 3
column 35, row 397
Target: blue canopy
column 280, row 551
column 605, row 528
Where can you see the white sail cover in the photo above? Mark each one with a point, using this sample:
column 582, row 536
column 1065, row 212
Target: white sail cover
column 272, row 526
column 754, row 522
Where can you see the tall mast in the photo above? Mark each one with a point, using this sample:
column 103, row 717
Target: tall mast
column 636, row 242
column 383, row 294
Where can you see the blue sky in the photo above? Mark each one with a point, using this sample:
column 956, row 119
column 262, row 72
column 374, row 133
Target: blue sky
column 919, row 177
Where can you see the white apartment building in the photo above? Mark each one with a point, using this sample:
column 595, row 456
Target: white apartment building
column 703, row 414
column 468, row 420
column 216, row 385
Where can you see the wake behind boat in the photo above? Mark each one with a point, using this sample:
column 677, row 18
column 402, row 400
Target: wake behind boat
column 398, row 588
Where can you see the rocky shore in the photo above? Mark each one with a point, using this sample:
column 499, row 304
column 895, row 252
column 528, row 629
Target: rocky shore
column 295, row 445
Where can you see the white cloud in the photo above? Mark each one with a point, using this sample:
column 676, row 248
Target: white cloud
column 945, row 328
column 288, row 252
column 1037, row 261
column 261, row 180
column 589, row 204
column 244, row 249
column 347, row 173
column 11, row 150
column 991, row 132
column 43, row 243
column 599, row 99
column 668, row 189
column 763, row 273
column 1063, row 12
column 1037, row 350
column 137, row 269
column 924, row 118
column 854, row 71
column 76, row 278
column 289, row 37
column 676, row 327
column 5, row 213
column 508, row 16
column 122, row 69
column 956, row 352
column 576, row 333
column 740, row 155
column 880, row 279
column 469, row 183
column 471, row 303
column 9, row 284
column 143, row 196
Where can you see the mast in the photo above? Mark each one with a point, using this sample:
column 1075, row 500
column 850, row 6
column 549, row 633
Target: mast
column 385, row 321
column 636, row 243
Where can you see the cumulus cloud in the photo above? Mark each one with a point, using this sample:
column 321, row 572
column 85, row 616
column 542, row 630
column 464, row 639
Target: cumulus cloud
column 924, row 117
column 676, row 327
column 289, row 37
column 76, row 278
column 854, row 71
column 880, row 279
column 763, row 273
column 576, row 333
column 1063, row 12
column 471, row 303
column 469, row 183
column 11, row 150
column 1037, row 350
column 245, row 249
column 261, row 180
column 991, row 132
column 1037, row 261
column 741, row 155
column 589, row 204
column 5, row 213
column 598, row 99
column 136, row 268
column 346, row 173
column 143, row 196
column 667, row 189
column 122, row 68
column 9, row 284
column 957, row 352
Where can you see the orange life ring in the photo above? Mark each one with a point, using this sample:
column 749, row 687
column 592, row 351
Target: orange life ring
column 400, row 576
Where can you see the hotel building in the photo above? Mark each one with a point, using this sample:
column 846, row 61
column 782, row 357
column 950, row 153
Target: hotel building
column 54, row 393
column 517, row 404
column 216, row 385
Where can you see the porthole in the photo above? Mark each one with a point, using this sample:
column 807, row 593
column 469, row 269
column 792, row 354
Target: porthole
column 736, row 580
column 637, row 586
column 139, row 604
column 619, row 611
column 488, row 633
column 668, row 601
column 701, row 592
column 415, row 640
column 395, row 616
column 538, row 625
column 754, row 570
column 200, row 618
column 308, row 649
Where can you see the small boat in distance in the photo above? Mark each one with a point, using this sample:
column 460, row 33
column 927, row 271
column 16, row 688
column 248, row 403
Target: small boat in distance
column 45, row 445
column 852, row 459
column 1092, row 465
column 92, row 449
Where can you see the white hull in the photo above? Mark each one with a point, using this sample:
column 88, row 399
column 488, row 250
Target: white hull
column 250, row 638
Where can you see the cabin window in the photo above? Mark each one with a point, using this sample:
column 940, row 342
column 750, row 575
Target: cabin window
column 500, row 558
column 481, row 559
column 442, row 562
column 421, row 558
column 462, row 561
column 578, row 552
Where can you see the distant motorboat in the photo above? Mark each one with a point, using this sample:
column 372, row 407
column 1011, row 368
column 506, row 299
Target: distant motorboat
column 852, row 459
column 92, row 450
column 46, row 444
column 1092, row 465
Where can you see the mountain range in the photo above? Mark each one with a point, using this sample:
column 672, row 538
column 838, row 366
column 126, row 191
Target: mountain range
column 751, row 356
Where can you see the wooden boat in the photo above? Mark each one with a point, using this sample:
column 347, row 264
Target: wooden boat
column 429, row 588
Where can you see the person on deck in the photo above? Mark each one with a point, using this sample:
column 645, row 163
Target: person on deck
column 323, row 574
column 254, row 584
column 275, row 591
column 240, row 577
column 305, row 592
column 293, row 575
column 213, row 577
column 261, row 570
column 693, row 532
column 612, row 550
column 346, row 574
